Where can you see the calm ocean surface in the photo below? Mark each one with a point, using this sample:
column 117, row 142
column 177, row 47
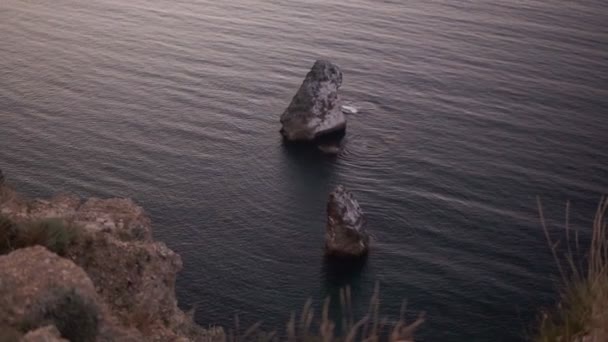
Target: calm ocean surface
column 467, row 111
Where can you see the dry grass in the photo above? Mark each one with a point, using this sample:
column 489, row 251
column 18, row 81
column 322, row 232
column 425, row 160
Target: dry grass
column 372, row 327
column 582, row 313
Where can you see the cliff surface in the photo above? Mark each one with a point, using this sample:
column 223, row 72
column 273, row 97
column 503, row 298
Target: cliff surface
column 112, row 277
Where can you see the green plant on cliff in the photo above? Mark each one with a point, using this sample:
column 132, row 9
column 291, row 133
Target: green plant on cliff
column 582, row 313
column 53, row 234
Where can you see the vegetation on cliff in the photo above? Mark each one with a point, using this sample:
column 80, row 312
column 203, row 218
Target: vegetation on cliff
column 582, row 312
column 52, row 233
column 371, row 327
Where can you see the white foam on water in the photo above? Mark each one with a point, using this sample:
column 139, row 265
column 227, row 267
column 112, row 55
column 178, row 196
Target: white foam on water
column 348, row 109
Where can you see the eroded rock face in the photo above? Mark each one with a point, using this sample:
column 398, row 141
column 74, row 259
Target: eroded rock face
column 39, row 288
column 131, row 275
column 136, row 279
column 345, row 234
column 315, row 110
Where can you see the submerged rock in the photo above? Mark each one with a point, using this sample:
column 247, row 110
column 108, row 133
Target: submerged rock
column 315, row 110
column 345, row 234
column 332, row 149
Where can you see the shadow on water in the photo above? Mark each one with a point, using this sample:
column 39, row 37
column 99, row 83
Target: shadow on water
column 324, row 147
column 307, row 170
column 341, row 274
column 305, row 164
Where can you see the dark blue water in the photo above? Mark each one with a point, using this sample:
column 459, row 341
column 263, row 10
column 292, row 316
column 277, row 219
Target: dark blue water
column 467, row 111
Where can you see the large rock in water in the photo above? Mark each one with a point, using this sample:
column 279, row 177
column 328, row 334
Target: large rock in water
column 345, row 234
column 315, row 110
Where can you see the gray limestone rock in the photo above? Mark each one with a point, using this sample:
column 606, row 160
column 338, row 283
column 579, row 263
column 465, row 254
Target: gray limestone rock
column 345, row 234
column 315, row 110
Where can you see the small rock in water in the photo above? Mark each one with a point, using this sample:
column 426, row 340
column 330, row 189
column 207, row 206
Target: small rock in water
column 345, row 234
column 347, row 109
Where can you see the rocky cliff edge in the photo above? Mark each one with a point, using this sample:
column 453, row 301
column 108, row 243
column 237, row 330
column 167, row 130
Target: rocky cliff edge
column 113, row 277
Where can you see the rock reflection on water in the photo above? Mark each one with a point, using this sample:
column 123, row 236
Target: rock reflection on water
column 339, row 273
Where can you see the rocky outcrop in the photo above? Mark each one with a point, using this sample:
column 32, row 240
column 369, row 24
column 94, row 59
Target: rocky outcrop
column 315, row 110
column 38, row 288
column 142, row 286
column 114, row 262
column 345, row 234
